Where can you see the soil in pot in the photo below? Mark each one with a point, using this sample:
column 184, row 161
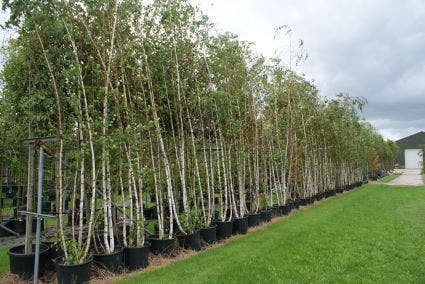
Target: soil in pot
column 165, row 247
column 254, row 219
column 136, row 258
column 266, row 215
column 240, row 226
column 113, row 262
column 191, row 241
column 22, row 264
column 72, row 273
column 209, row 235
column 224, row 230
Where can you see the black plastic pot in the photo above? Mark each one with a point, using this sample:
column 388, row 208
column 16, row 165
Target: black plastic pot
column 150, row 213
column 136, row 258
column 46, row 206
column 297, row 203
column 276, row 211
column 286, row 208
column 224, row 230
column 209, row 235
column 72, row 273
column 240, row 226
column 266, row 215
column 254, row 219
column 76, row 217
column 159, row 246
column 51, row 254
column 113, row 262
column 282, row 209
column 22, row 264
column 4, row 233
column 191, row 241
column 19, row 226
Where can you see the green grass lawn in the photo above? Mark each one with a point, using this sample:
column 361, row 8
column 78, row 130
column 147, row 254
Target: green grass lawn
column 389, row 178
column 4, row 260
column 374, row 234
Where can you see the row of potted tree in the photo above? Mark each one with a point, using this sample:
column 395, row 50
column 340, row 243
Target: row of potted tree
column 155, row 111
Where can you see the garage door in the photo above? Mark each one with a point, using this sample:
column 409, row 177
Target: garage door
column 413, row 158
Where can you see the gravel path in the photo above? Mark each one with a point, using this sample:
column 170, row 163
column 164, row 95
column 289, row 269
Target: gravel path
column 408, row 177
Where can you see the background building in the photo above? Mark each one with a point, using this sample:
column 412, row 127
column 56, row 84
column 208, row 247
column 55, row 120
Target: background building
column 410, row 154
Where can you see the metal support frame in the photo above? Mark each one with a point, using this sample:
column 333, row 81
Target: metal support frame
column 9, row 230
column 39, row 142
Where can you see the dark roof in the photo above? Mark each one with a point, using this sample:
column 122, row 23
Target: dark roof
column 413, row 141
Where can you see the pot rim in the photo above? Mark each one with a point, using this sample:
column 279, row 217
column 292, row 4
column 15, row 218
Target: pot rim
column 147, row 245
column 195, row 232
column 59, row 258
column 243, row 218
column 210, row 227
column 117, row 250
column 156, row 238
column 16, row 254
column 225, row 222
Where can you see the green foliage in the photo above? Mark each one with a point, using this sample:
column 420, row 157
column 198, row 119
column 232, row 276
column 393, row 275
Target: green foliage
column 74, row 249
column 191, row 221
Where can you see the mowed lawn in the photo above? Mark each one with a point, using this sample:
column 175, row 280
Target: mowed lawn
column 4, row 260
column 374, row 234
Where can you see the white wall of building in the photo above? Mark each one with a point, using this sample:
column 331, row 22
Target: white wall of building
column 413, row 158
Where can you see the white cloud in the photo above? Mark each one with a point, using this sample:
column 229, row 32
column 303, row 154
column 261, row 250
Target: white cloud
column 373, row 49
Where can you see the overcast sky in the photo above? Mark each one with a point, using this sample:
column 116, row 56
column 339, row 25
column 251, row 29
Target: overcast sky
column 367, row 48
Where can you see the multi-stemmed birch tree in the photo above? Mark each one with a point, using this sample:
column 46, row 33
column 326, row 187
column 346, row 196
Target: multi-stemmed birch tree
column 147, row 101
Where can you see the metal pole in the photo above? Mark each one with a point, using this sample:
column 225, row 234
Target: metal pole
column 38, row 232
column 30, row 194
